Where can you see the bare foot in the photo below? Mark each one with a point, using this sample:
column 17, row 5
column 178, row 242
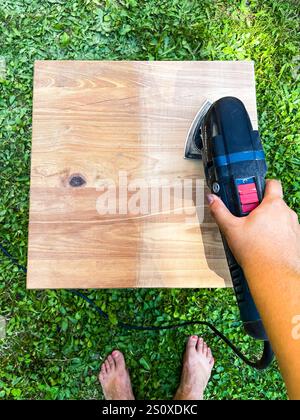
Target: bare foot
column 197, row 366
column 114, row 378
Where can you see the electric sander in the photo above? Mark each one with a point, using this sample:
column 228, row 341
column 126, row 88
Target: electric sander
column 235, row 168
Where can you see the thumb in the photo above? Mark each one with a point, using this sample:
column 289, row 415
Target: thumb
column 225, row 220
column 273, row 189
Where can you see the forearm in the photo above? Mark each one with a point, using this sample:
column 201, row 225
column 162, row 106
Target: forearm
column 277, row 296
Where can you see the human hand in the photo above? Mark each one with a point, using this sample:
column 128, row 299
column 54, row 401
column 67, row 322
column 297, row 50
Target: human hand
column 268, row 238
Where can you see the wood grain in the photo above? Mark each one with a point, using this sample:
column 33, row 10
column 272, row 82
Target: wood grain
column 95, row 119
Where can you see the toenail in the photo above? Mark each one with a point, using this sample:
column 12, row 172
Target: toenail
column 194, row 337
column 115, row 353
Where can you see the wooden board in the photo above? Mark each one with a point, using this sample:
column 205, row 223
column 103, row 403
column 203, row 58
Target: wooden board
column 92, row 120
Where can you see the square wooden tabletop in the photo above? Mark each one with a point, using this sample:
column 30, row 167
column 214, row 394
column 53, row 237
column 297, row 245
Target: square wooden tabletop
column 113, row 203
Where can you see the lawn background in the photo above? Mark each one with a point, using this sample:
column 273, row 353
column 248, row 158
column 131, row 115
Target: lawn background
column 55, row 342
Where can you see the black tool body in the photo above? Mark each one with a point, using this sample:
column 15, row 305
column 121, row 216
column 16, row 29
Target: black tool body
column 235, row 170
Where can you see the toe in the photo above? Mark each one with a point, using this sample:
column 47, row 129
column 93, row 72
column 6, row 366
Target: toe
column 103, row 368
column 192, row 341
column 102, row 373
column 204, row 348
column 111, row 361
column 107, row 366
column 200, row 345
column 209, row 354
column 118, row 358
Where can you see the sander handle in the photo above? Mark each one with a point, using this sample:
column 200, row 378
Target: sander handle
column 248, row 311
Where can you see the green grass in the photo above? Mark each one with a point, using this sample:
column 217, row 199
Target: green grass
column 55, row 342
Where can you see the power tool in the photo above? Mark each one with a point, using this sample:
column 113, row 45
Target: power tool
column 235, row 168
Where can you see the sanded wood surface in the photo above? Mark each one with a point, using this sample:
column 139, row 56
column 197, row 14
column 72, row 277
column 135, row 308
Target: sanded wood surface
column 95, row 120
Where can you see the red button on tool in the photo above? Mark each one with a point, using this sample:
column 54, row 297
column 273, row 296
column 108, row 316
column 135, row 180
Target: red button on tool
column 246, row 188
column 249, row 207
column 248, row 197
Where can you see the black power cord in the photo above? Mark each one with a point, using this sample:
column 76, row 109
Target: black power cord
column 259, row 364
